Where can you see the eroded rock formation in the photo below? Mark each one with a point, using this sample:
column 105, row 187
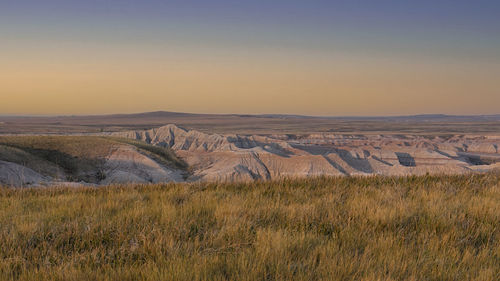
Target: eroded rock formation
column 214, row 157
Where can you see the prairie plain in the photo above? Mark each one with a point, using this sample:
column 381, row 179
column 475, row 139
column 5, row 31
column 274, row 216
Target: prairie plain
column 342, row 228
column 253, row 124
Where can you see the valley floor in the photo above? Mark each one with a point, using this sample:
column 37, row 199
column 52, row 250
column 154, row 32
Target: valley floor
column 324, row 228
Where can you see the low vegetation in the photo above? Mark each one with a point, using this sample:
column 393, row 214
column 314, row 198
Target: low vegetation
column 351, row 228
column 74, row 158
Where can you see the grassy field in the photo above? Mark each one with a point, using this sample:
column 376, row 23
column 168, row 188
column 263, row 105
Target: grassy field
column 371, row 228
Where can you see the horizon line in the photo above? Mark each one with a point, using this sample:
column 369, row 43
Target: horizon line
column 435, row 115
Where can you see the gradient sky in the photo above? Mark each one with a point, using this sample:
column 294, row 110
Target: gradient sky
column 316, row 57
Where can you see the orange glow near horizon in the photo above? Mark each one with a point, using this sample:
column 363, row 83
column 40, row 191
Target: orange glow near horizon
column 334, row 58
column 313, row 84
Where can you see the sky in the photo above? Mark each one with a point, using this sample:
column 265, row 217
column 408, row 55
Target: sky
column 315, row 57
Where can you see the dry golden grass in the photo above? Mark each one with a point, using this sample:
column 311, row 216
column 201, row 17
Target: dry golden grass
column 372, row 228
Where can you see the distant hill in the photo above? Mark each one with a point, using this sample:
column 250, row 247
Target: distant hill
column 251, row 123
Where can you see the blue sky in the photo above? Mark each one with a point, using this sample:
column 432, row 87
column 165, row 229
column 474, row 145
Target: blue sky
column 449, row 35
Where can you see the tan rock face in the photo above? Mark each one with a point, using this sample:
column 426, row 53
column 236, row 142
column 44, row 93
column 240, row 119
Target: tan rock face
column 126, row 165
column 215, row 157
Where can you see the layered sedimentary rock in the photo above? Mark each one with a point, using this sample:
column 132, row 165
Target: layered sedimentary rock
column 125, row 164
column 230, row 157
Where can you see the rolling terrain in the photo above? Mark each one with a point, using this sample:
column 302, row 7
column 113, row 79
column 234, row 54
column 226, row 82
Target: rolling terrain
column 253, row 124
column 169, row 202
column 77, row 160
column 140, row 148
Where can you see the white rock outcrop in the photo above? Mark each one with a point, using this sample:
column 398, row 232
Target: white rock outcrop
column 217, row 157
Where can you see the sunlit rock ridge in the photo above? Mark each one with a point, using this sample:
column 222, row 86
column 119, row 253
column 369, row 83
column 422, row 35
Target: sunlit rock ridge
column 229, row 157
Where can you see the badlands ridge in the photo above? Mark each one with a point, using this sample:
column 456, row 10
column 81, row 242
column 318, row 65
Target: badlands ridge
column 174, row 154
column 227, row 157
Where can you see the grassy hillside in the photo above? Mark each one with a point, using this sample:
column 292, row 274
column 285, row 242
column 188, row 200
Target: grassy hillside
column 74, row 158
column 373, row 228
